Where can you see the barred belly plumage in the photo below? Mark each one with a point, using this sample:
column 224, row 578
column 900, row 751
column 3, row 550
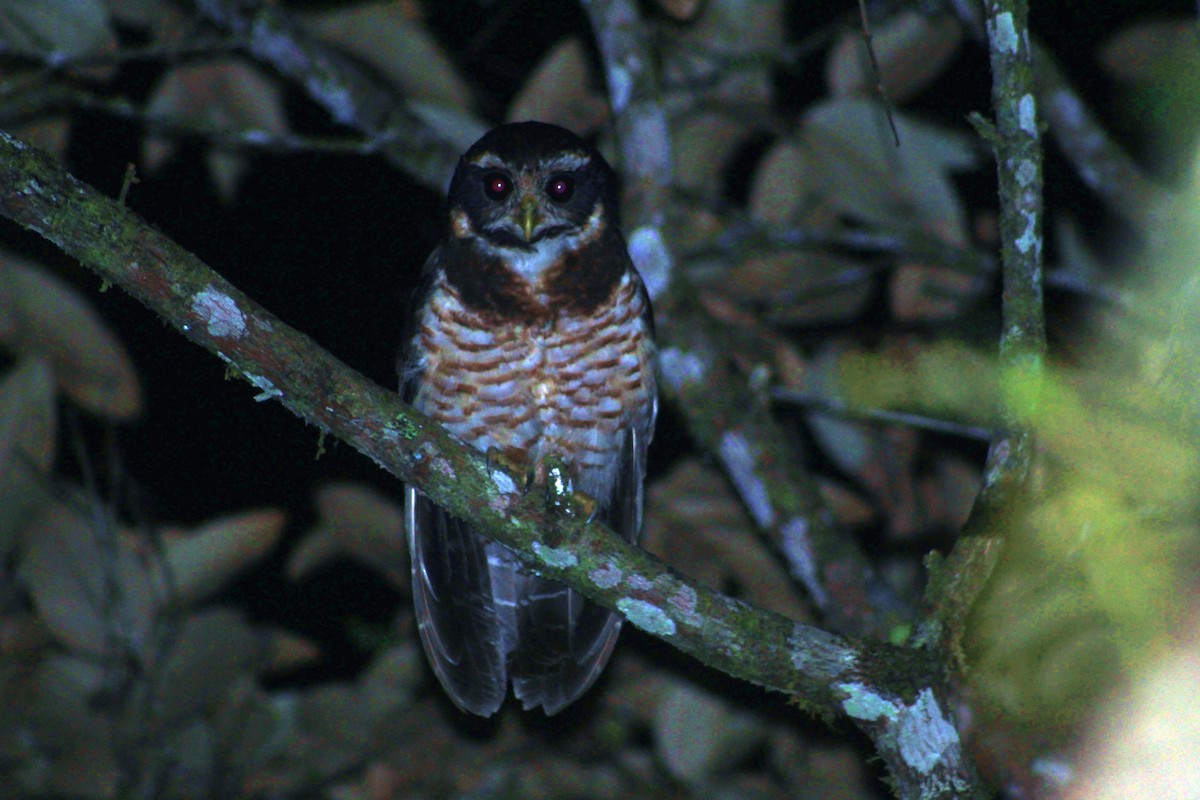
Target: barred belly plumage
column 527, row 391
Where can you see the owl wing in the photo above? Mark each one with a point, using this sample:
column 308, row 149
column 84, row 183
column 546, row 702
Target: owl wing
column 456, row 578
column 565, row 640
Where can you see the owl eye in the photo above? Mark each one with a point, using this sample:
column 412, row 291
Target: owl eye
column 497, row 185
column 560, row 188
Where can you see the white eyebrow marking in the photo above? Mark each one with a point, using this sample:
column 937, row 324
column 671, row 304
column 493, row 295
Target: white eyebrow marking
column 568, row 162
column 488, row 160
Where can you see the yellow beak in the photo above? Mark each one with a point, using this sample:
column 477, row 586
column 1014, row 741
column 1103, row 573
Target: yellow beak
column 529, row 216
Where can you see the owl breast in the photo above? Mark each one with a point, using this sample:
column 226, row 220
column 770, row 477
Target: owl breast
column 568, row 385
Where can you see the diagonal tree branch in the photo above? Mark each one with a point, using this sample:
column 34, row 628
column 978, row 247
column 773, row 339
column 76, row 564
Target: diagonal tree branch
column 898, row 696
column 345, row 90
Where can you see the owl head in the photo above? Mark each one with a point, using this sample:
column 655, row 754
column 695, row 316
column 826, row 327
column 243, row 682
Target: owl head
column 529, row 189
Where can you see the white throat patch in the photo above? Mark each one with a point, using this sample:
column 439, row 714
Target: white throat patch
column 532, row 265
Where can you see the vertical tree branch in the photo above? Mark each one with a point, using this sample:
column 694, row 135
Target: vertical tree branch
column 1016, row 140
column 642, row 134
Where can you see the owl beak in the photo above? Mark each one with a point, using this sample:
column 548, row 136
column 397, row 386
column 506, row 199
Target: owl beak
column 529, row 216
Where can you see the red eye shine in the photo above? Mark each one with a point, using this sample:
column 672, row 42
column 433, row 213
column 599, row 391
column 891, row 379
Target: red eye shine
column 497, row 185
column 560, row 188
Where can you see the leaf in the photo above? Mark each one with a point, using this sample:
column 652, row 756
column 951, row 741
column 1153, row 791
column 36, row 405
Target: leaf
column 73, row 736
column 358, row 522
column 942, row 378
column 697, row 57
column 202, row 561
column 28, row 427
column 694, row 522
column 288, row 651
column 212, row 649
column 559, row 91
column 698, row 735
column 49, row 132
column 679, row 10
column 229, row 97
column 1152, row 51
column 923, row 292
column 61, row 27
column 392, row 38
column 93, row 588
column 42, row 316
column 912, row 49
column 781, row 183
column 861, row 172
column 701, row 146
column 138, row 12
column 882, row 458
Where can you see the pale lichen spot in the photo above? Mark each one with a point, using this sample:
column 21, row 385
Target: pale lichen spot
column 1004, row 32
column 1027, row 114
column 554, row 556
column 1028, row 239
column 267, row 390
column 1026, row 173
column 220, row 313
column 503, row 482
column 863, row 702
column 606, row 577
column 684, row 601
column 639, row 583
column 646, row 616
column 924, row 732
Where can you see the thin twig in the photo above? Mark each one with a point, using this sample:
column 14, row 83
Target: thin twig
column 879, row 89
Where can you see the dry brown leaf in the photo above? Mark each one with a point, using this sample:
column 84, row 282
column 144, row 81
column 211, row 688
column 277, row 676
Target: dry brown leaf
column 782, row 185
column 679, row 10
column 559, row 91
column 847, row 506
column 202, row 561
column 696, row 524
column 42, row 316
column 394, row 40
column 288, row 651
column 49, row 133
column 949, row 491
column 912, row 49
column 93, row 587
column 358, row 522
column 1151, row 50
column 701, row 145
column 230, row 95
column 67, row 27
column 697, row 734
column 922, row 292
column 210, row 651
column 857, row 167
column 75, row 738
column 801, row 288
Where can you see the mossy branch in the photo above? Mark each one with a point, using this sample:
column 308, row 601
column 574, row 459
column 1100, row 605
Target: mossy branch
column 895, row 694
column 1016, row 141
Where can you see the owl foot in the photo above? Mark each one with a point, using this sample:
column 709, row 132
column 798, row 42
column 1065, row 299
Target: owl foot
column 498, row 458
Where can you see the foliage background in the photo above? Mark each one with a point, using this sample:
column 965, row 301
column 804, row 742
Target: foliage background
column 281, row 658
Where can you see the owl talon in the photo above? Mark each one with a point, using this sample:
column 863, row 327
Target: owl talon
column 561, row 494
column 498, row 458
